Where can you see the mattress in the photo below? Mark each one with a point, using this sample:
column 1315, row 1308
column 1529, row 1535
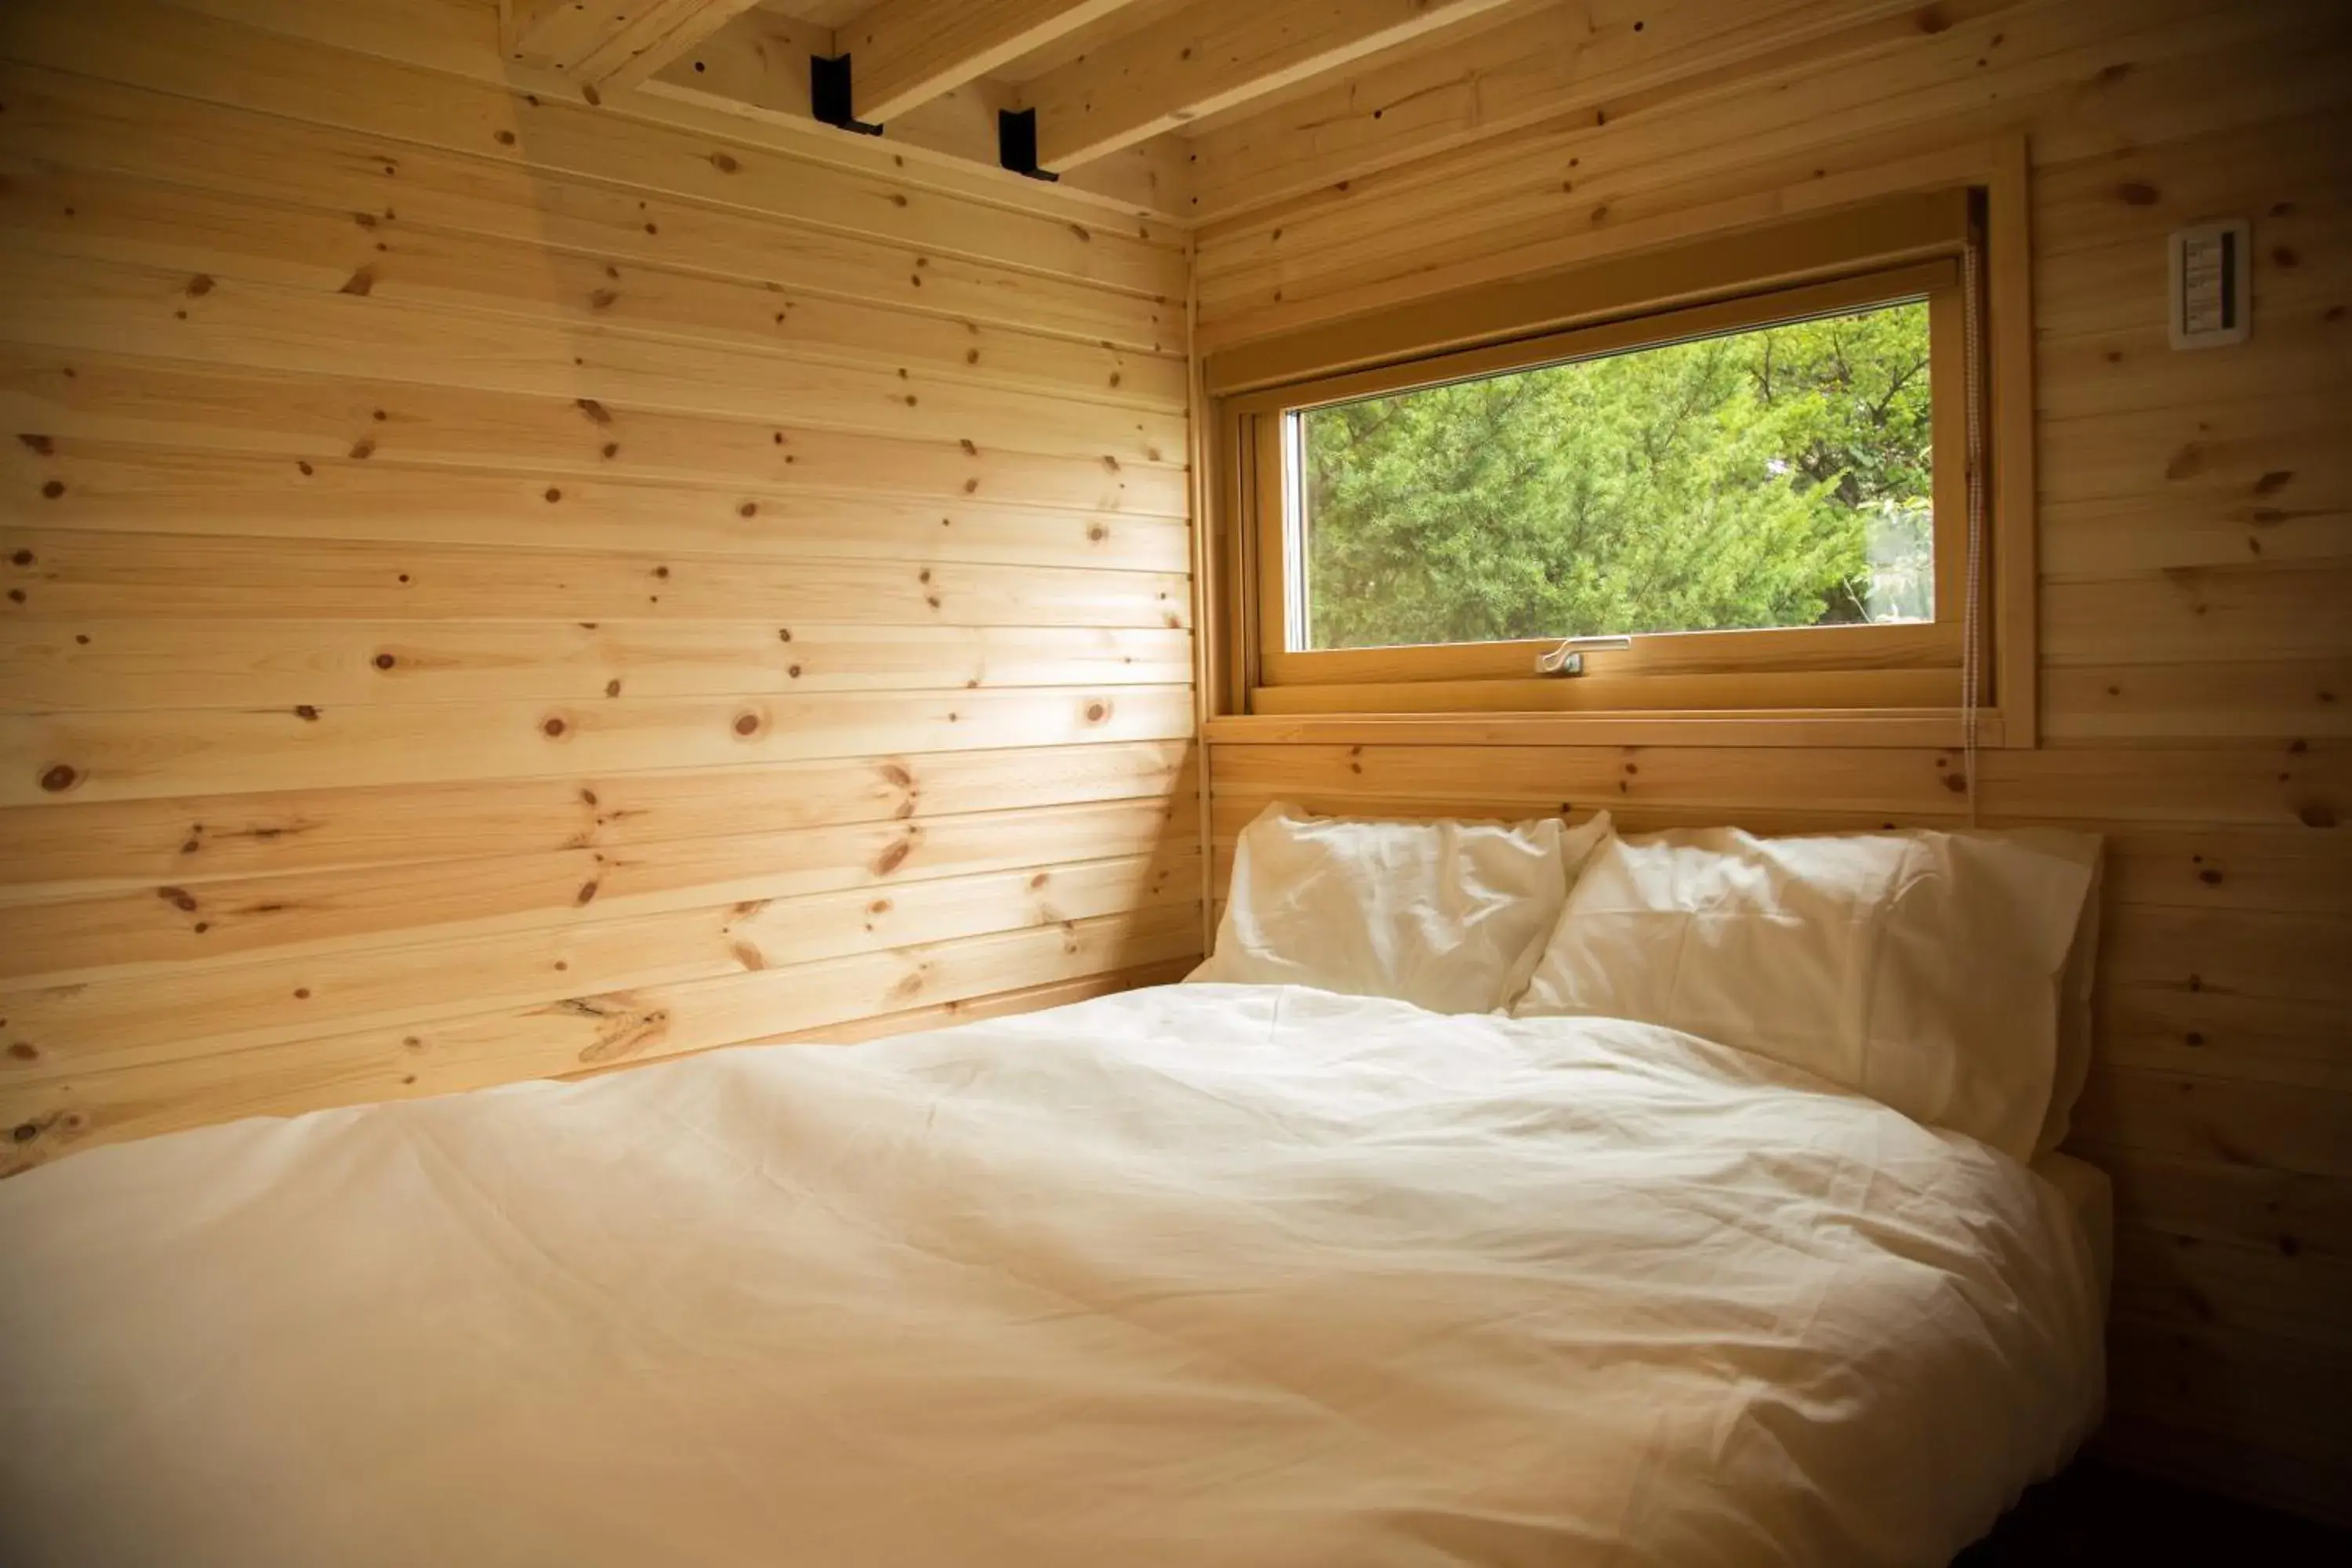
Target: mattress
column 1214, row 1275
column 2090, row 1197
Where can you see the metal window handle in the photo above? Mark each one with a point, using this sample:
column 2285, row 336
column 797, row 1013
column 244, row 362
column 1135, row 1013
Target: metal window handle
column 1568, row 658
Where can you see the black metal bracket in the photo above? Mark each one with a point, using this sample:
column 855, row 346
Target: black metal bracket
column 1016, row 143
column 829, row 94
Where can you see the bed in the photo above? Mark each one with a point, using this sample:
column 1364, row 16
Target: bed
column 1217, row 1274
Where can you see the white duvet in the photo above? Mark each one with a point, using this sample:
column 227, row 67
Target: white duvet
column 1213, row 1275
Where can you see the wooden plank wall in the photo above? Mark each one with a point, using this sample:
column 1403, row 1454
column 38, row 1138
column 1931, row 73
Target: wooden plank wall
column 2195, row 588
column 495, row 587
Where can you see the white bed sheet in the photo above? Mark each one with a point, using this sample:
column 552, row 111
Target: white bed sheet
column 1200, row 1275
column 2090, row 1196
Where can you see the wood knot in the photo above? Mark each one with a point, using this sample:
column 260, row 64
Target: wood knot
column 551, row 728
column 1096, row 712
column 385, row 661
column 747, row 723
column 53, row 490
column 2136, row 194
column 724, row 164
column 749, row 509
column 306, row 712
column 59, row 778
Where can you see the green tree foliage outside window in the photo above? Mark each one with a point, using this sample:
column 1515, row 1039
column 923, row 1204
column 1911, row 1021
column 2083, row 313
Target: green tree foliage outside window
column 1776, row 476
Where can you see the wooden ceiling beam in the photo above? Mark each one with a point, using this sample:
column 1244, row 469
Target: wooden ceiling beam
column 904, row 53
column 1209, row 57
column 610, row 43
column 757, row 67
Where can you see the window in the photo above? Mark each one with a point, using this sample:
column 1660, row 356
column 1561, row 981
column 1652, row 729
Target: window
column 1732, row 478
column 1772, row 476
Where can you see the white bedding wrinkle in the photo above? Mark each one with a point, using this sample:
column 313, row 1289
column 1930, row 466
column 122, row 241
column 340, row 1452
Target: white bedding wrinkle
column 1210, row 1274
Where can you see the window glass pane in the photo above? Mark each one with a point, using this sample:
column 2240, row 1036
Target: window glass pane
column 1775, row 477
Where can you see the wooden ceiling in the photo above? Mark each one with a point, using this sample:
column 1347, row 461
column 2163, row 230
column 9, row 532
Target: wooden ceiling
column 1197, row 109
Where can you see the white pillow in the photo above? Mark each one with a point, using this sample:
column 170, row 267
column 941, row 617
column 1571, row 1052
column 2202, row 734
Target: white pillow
column 1925, row 970
column 1449, row 916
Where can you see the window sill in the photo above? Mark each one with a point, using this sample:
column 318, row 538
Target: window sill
column 1806, row 727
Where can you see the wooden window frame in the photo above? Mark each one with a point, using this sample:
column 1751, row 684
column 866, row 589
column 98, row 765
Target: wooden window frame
column 1867, row 684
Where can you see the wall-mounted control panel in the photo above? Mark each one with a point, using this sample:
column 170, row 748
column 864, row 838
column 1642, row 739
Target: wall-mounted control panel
column 2213, row 292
